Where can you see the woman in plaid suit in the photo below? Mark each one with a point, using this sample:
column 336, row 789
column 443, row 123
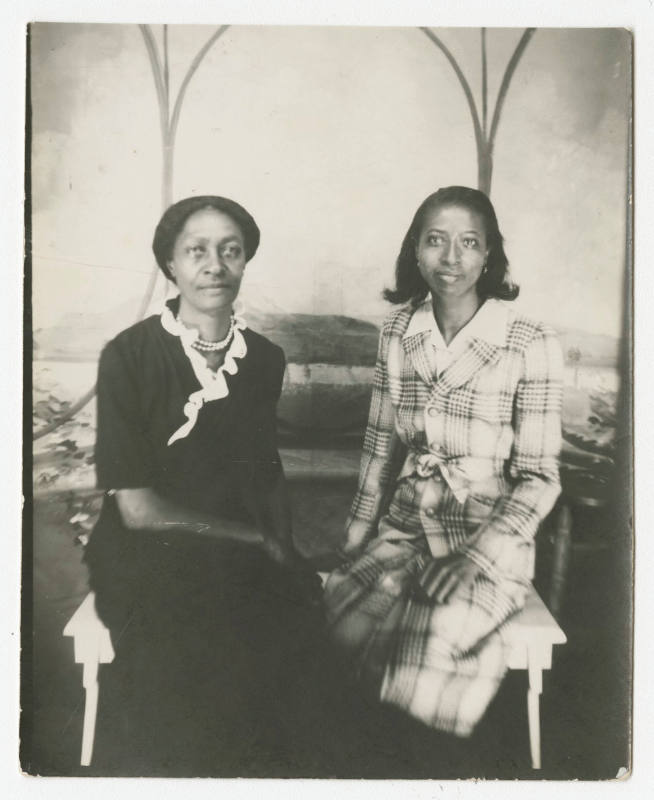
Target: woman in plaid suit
column 459, row 468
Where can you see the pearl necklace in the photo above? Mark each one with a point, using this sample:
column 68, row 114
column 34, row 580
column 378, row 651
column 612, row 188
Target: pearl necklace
column 205, row 346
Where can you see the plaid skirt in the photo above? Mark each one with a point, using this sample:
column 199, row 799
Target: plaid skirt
column 441, row 663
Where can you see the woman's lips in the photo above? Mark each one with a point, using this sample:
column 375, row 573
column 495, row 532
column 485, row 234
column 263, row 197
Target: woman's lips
column 444, row 276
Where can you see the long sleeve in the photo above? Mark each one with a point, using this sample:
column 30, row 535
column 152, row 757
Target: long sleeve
column 123, row 452
column 377, row 460
column 268, row 460
column 503, row 545
column 268, row 475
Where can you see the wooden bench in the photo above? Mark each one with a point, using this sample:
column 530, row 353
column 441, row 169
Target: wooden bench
column 530, row 638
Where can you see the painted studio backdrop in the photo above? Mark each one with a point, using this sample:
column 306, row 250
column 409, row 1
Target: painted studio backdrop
column 331, row 137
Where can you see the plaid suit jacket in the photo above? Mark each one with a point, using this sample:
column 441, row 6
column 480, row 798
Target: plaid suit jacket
column 494, row 412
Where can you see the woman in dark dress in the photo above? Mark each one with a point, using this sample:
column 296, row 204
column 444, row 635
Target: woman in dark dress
column 215, row 618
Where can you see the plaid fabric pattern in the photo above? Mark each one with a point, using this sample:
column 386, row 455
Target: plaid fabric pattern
column 496, row 404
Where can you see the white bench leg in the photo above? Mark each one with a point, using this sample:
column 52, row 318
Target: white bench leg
column 88, row 732
column 90, row 683
column 93, row 647
column 533, row 708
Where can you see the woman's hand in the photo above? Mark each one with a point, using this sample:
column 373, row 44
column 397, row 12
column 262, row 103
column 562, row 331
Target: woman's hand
column 441, row 577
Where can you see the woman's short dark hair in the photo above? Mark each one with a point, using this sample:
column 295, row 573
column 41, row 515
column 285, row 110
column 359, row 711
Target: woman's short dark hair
column 494, row 282
column 175, row 216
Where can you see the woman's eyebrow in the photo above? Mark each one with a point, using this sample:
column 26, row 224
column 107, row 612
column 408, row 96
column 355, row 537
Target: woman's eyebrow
column 438, row 230
column 197, row 237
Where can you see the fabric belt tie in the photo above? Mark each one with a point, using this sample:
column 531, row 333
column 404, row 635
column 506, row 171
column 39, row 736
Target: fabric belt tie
column 458, row 472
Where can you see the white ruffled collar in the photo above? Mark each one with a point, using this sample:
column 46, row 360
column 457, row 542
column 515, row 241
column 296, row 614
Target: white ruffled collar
column 213, row 383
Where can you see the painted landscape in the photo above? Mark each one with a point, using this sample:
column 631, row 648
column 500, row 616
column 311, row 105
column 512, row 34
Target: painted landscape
column 324, row 404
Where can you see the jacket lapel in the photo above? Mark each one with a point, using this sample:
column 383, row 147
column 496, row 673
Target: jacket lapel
column 415, row 347
column 477, row 354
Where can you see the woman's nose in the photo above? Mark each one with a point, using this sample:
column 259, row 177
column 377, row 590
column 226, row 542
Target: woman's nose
column 214, row 262
column 451, row 253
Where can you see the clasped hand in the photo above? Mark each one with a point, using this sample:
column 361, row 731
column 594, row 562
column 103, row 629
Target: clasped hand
column 441, row 577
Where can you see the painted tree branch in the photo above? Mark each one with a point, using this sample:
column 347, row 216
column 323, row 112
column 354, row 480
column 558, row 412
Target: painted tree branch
column 485, row 142
column 166, row 71
column 157, row 74
column 506, row 81
column 68, row 414
column 484, row 82
column 189, row 74
column 479, row 137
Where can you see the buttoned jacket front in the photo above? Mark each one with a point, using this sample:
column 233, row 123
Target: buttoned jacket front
column 478, row 443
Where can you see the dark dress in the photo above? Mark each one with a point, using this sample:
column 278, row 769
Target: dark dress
column 221, row 665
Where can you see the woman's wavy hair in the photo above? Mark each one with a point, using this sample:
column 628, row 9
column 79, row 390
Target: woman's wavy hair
column 494, row 282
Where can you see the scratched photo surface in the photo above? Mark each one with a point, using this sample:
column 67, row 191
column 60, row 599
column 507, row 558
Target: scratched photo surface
column 331, row 137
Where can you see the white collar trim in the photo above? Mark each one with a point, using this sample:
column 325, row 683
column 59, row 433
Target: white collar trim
column 214, row 384
column 490, row 323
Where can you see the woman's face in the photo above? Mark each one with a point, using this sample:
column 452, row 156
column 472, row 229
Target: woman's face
column 208, row 260
column 452, row 251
